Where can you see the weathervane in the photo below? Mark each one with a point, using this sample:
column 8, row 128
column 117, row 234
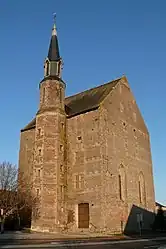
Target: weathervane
column 54, row 16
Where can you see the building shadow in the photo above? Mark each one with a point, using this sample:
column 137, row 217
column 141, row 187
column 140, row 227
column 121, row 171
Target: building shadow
column 142, row 222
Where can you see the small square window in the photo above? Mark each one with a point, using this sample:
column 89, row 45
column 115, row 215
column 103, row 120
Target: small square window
column 79, row 138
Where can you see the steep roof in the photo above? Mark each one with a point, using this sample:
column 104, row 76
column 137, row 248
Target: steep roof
column 53, row 53
column 84, row 101
column 89, row 99
column 30, row 125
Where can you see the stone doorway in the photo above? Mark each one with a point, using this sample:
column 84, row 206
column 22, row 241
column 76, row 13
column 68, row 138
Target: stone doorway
column 83, row 215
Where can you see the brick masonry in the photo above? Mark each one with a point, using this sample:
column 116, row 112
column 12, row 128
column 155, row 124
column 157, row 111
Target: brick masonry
column 101, row 157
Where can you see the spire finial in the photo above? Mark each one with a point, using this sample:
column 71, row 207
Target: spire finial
column 54, row 16
column 54, row 32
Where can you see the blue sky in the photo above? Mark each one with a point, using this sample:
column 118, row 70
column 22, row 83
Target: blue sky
column 100, row 40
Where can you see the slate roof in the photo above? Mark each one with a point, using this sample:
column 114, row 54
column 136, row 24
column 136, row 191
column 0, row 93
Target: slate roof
column 89, row 99
column 53, row 53
column 84, row 101
column 29, row 126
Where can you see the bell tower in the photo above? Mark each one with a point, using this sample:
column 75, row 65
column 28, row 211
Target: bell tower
column 49, row 157
column 53, row 62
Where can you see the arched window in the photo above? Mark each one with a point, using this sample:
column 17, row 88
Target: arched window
column 141, row 189
column 120, row 186
column 122, row 183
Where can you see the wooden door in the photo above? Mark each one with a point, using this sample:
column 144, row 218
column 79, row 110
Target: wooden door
column 83, row 215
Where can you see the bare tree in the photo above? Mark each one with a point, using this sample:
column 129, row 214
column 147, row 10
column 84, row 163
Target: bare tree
column 15, row 192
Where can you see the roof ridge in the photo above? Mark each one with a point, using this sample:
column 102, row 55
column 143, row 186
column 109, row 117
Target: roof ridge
column 85, row 101
column 110, row 82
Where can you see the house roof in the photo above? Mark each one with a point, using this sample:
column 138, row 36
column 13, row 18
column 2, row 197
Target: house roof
column 30, row 125
column 84, row 101
column 89, row 99
column 159, row 204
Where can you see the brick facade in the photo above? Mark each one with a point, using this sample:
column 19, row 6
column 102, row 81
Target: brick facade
column 100, row 157
column 88, row 156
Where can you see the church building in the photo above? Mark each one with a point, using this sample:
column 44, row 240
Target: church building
column 88, row 156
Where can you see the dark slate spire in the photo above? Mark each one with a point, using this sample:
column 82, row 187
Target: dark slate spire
column 53, row 62
column 53, row 53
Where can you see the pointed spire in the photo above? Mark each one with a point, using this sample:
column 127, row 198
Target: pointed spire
column 53, row 53
column 53, row 63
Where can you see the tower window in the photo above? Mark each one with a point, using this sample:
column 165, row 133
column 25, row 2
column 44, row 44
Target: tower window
column 62, row 190
column 43, row 97
column 61, row 168
column 39, row 152
column 47, row 68
column 39, row 131
column 59, row 69
column 61, row 147
column 38, row 173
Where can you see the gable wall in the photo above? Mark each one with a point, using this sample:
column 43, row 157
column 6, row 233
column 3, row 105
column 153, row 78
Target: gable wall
column 125, row 142
column 26, row 153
